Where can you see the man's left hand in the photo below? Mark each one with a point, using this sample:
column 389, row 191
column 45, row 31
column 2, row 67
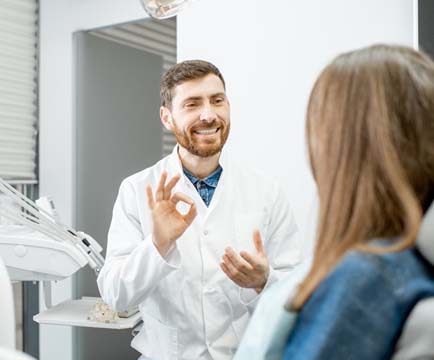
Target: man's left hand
column 246, row 270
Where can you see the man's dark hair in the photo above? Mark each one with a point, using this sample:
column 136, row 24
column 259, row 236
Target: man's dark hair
column 182, row 72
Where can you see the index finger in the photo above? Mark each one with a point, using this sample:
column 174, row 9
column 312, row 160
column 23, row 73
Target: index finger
column 259, row 246
column 189, row 217
column 177, row 197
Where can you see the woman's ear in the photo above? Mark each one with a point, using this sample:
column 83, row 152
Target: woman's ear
column 166, row 118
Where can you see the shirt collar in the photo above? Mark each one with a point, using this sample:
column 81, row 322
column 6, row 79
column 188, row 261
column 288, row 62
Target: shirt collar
column 211, row 180
column 177, row 165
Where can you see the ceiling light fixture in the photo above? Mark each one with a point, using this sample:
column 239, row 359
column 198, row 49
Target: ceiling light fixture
column 163, row 9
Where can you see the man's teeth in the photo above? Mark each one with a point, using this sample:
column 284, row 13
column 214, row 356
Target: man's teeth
column 206, row 132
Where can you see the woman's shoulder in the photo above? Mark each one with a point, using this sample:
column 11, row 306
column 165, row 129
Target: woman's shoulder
column 409, row 259
column 393, row 271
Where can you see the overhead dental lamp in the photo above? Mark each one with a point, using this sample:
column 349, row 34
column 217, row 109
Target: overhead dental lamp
column 163, row 9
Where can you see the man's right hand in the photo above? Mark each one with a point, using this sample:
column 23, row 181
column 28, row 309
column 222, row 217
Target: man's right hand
column 169, row 224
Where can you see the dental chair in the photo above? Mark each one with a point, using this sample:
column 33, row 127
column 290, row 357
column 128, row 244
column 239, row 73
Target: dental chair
column 417, row 338
column 267, row 334
column 7, row 318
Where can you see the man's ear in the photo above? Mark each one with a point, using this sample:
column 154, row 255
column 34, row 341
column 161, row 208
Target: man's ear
column 166, row 118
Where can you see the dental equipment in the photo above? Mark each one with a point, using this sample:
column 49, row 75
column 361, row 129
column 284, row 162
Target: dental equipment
column 37, row 246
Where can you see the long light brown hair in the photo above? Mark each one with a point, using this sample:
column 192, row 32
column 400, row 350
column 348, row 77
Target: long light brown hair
column 370, row 134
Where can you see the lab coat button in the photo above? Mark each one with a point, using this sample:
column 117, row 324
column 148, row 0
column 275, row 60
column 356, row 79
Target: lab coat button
column 205, row 232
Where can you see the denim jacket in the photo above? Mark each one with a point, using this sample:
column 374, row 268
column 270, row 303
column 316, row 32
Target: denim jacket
column 358, row 311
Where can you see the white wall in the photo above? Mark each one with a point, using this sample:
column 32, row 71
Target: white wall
column 269, row 55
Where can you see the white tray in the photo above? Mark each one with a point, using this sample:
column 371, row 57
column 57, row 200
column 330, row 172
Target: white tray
column 75, row 312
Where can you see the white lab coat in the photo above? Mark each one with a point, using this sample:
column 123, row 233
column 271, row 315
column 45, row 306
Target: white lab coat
column 190, row 309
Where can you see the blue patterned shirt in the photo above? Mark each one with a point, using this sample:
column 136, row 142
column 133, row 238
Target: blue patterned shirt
column 205, row 187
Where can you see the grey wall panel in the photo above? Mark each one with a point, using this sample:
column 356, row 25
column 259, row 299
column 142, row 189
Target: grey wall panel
column 155, row 37
column 118, row 134
column 426, row 26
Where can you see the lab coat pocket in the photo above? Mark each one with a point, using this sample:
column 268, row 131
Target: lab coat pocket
column 246, row 224
column 156, row 340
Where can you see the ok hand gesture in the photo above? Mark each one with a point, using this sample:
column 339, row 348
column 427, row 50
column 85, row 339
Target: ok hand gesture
column 168, row 223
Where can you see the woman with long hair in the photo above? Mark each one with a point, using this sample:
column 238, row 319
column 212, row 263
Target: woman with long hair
column 370, row 135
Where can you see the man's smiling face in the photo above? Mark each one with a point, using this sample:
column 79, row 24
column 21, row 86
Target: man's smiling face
column 200, row 115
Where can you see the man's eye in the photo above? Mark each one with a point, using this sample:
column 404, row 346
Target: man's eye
column 218, row 100
column 190, row 105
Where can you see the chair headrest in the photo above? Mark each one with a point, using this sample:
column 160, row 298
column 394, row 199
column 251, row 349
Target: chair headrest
column 425, row 241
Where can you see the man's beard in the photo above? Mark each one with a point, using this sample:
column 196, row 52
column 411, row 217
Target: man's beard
column 186, row 139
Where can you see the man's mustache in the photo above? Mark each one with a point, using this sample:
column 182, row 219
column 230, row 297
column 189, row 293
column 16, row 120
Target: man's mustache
column 205, row 126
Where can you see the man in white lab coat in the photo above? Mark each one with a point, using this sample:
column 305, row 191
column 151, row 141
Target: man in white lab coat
column 196, row 238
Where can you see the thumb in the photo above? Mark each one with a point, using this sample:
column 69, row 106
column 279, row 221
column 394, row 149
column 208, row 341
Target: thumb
column 259, row 246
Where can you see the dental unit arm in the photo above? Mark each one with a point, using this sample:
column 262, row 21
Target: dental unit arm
column 36, row 246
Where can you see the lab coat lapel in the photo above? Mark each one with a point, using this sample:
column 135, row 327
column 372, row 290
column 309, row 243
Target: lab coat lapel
column 186, row 187
column 221, row 189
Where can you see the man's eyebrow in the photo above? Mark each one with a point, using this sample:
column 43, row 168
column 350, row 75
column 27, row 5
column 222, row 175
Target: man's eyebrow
column 198, row 98
column 218, row 94
column 192, row 98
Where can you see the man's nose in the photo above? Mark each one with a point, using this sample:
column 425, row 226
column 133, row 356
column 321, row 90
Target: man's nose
column 208, row 113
